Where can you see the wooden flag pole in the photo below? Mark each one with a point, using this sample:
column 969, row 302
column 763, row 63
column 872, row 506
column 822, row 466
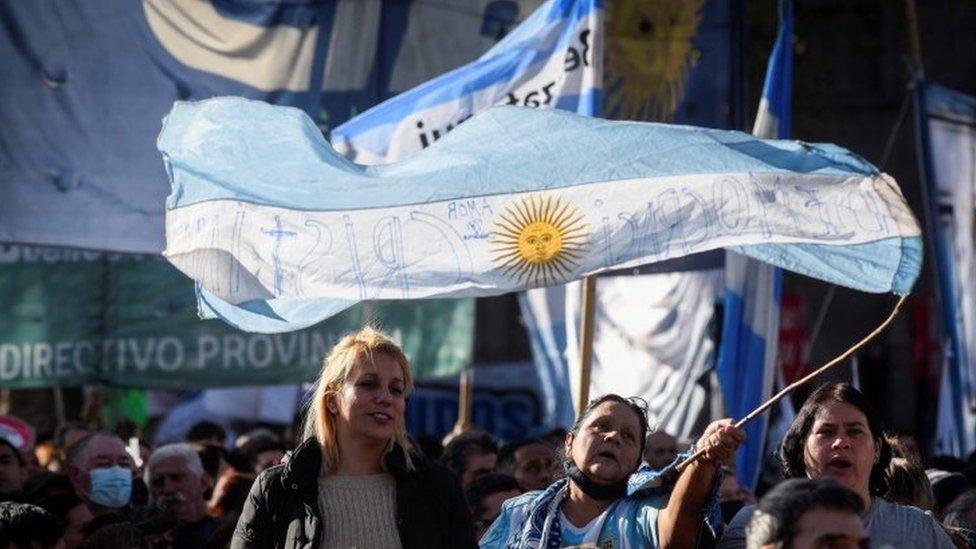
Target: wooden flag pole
column 796, row 384
column 464, row 400
column 586, row 342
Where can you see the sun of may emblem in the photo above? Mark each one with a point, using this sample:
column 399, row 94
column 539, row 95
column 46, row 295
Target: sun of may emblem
column 539, row 240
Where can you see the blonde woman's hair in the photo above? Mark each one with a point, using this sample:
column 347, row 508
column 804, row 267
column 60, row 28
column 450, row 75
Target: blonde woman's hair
column 352, row 349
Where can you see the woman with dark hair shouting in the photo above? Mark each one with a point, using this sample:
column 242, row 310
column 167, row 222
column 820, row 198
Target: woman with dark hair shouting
column 605, row 499
column 354, row 481
column 838, row 434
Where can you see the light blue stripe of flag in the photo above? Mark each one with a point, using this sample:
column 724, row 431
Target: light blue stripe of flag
column 750, row 328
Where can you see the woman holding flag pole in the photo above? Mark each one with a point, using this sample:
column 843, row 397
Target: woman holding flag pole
column 607, row 498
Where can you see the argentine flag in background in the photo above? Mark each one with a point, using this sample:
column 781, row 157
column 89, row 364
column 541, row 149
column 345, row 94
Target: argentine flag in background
column 553, row 59
column 750, row 329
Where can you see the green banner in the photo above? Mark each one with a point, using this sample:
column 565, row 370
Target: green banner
column 70, row 317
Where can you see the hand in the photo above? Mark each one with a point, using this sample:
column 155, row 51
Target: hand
column 720, row 441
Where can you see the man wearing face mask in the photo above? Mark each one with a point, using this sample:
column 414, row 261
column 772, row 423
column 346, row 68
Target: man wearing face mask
column 101, row 471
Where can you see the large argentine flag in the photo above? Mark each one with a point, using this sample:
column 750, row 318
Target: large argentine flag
column 747, row 356
column 263, row 208
column 551, row 60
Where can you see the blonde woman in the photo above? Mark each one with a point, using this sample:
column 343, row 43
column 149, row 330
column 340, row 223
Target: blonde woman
column 354, row 481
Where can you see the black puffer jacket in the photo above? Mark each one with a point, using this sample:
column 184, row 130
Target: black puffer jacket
column 282, row 510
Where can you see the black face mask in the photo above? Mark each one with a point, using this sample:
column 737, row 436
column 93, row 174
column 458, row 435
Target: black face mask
column 596, row 490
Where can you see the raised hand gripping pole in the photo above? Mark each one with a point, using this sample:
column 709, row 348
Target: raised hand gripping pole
column 793, row 386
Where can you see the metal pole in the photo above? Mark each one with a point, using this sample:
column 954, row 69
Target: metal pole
column 586, row 342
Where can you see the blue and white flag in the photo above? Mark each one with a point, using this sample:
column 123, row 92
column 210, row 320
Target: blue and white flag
column 750, row 330
column 552, row 59
column 947, row 140
column 263, row 208
column 652, row 336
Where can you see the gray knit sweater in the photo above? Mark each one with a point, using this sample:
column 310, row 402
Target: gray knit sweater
column 358, row 511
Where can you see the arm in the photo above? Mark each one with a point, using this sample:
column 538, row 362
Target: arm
column 254, row 527
column 680, row 521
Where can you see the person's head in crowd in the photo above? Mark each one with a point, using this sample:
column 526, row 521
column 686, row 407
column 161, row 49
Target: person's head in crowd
column 70, row 432
column 100, row 469
column 961, row 513
column 905, row 446
column 530, row 462
column 70, row 511
column 838, row 434
column 207, row 432
column 485, row 496
column 946, row 487
column 177, row 482
column 65, row 436
column 807, row 514
column 257, row 441
column 908, row 485
column 13, row 471
column 660, row 450
column 25, row 526
column 265, row 453
column 606, row 444
column 470, row 455
column 732, row 496
column 230, row 493
column 361, row 396
column 213, row 458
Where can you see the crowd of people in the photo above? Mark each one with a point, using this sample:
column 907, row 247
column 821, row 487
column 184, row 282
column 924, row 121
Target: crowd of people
column 355, row 478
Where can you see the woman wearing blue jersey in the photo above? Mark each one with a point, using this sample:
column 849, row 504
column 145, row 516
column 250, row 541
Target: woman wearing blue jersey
column 596, row 505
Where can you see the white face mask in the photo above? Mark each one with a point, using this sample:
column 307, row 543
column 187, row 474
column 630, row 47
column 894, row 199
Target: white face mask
column 111, row 486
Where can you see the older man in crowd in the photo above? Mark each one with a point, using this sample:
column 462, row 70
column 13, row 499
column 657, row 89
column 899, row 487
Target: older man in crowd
column 807, row 514
column 13, row 471
column 101, row 472
column 177, row 483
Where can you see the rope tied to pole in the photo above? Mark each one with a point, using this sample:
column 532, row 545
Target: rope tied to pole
column 805, row 379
